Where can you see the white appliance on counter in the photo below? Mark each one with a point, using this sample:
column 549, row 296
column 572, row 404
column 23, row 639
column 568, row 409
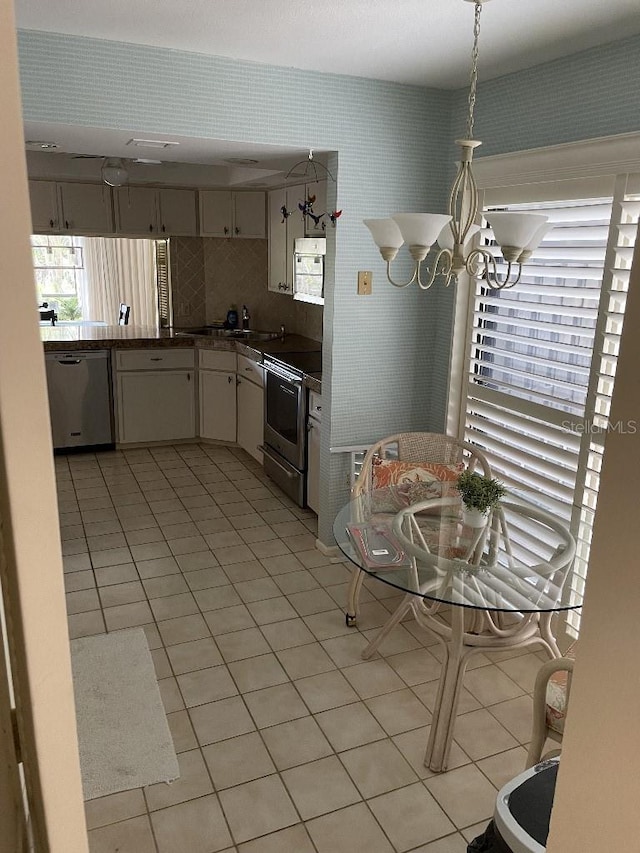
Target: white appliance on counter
column 314, row 423
column 308, row 269
column 80, row 399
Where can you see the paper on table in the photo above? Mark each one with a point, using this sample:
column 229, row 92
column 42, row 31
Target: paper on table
column 377, row 546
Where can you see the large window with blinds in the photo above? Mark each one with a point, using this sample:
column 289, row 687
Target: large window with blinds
column 542, row 359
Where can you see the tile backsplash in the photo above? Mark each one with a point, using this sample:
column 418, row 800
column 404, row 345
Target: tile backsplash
column 210, row 274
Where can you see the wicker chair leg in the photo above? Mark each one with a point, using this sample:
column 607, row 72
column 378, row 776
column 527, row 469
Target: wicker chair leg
column 353, row 596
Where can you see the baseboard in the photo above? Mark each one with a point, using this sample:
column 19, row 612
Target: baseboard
column 332, row 551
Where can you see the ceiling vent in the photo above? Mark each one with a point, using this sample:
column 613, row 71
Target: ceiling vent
column 152, row 143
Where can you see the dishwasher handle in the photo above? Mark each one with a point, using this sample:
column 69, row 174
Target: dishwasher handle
column 69, row 361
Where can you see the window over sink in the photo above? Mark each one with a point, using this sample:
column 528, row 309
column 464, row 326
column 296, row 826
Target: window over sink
column 84, row 279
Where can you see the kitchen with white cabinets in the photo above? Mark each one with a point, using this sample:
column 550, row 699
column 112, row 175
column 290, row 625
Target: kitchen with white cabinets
column 224, row 248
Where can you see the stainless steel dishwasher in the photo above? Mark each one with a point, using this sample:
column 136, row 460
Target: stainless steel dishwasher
column 79, row 385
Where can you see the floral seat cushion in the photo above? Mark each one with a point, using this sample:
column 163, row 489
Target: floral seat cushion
column 397, row 485
column 557, row 696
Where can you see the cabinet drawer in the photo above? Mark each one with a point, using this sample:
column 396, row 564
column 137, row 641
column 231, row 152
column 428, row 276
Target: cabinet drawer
column 154, row 359
column 250, row 369
column 217, row 359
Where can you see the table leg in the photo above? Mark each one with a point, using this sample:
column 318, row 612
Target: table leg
column 444, row 714
column 397, row 616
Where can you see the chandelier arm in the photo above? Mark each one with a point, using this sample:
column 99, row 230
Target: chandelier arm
column 481, row 264
column 407, row 283
column 506, row 284
column 445, row 271
column 463, row 197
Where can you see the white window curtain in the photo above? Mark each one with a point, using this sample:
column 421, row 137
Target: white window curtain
column 120, row 270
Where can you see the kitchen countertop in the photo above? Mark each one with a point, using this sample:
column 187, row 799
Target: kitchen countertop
column 81, row 337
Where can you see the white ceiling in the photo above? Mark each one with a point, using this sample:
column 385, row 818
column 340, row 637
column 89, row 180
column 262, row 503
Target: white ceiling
column 421, row 42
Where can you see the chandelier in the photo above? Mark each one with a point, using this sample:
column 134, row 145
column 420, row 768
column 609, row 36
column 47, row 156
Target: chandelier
column 517, row 234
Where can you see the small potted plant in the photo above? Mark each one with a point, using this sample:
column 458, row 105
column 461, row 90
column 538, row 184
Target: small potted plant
column 479, row 494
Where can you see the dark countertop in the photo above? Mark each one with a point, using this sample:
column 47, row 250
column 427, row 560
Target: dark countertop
column 80, row 337
column 57, row 338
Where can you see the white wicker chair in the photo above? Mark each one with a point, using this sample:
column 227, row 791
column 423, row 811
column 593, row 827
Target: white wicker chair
column 409, row 447
column 550, row 703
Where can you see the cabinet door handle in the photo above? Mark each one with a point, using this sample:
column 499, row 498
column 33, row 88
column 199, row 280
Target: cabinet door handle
column 151, row 228
column 156, row 358
column 66, row 224
column 188, row 377
column 51, row 223
column 226, row 230
column 229, row 379
column 163, row 229
column 237, row 230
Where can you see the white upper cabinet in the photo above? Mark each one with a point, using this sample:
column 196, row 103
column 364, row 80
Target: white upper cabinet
column 45, row 215
column 283, row 232
column 147, row 210
column 232, row 214
column 249, row 215
column 72, row 208
column 86, row 207
column 177, row 212
column 135, row 210
column 216, row 213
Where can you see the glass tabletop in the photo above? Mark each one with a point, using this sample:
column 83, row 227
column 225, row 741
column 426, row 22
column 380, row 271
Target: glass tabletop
column 517, row 562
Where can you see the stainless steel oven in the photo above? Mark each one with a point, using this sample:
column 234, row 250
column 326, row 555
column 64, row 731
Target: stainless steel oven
column 285, row 414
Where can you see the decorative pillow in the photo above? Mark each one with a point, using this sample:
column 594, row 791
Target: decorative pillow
column 393, row 498
column 388, row 472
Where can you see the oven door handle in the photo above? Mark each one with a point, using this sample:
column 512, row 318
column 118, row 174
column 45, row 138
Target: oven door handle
column 268, row 452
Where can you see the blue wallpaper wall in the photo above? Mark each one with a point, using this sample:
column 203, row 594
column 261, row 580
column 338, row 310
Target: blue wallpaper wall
column 380, row 352
column 584, row 96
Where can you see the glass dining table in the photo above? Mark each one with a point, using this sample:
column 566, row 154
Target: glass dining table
column 474, row 589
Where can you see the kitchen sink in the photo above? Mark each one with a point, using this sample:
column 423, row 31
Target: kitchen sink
column 231, row 334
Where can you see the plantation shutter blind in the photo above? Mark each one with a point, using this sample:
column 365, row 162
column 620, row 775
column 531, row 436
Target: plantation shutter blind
column 163, row 283
column 542, row 357
column 615, row 285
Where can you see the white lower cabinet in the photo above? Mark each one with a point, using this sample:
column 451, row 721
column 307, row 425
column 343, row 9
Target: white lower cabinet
column 156, row 405
column 313, row 451
column 250, row 400
column 217, row 405
column 155, row 394
column 217, row 387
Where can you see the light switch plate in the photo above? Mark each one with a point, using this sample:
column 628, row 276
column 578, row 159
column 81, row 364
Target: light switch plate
column 364, row 282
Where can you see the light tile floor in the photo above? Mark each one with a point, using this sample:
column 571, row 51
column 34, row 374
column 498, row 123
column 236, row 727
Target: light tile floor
column 287, row 741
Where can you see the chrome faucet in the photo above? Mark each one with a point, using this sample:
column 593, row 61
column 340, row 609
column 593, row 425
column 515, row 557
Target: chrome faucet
column 245, row 317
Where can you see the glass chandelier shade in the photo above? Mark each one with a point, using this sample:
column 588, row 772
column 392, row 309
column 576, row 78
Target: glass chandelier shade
column 517, row 234
column 114, row 172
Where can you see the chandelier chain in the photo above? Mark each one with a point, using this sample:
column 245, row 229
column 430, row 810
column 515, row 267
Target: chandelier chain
column 473, row 82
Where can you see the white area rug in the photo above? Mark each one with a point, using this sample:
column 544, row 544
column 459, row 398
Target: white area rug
column 123, row 732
